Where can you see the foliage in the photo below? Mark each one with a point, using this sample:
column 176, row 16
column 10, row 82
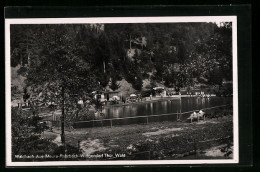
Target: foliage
column 220, row 113
column 26, row 95
column 199, row 48
column 214, row 55
column 61, row 74
column 26, row 133
column 194, row 139
column 63, row 63
column 138, row 83
column 70, row 150
column 114, row 85
column 190, row 141
column 14, row 91
column 225, row 90
column 146, row 93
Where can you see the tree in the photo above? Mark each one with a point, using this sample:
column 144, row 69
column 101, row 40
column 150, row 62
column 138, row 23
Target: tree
column 26, row 133
column 26, row 95
column 214, row 55
column 114, row 85
column 60, row 72
column 138, row 83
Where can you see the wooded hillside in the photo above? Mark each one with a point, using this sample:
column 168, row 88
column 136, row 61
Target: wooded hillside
column 98, row 55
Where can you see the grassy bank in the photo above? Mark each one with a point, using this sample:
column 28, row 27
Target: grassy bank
column 158, row 140
column 168, row 140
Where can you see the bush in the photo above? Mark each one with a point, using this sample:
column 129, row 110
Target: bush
column 26, row 134
column 188, row 142
column 70, row 150
column 225, row 90
column 146, row 93
column 219, row 113
column 137, row 83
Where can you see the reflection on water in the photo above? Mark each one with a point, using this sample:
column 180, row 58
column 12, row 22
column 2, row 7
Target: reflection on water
column 163, row 107
column 116, row 112
column 151, row 108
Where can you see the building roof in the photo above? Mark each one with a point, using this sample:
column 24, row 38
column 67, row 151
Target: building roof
column 158, row 88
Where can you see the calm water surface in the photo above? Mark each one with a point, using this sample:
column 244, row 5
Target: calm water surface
column 165, row 106
column 185, row 104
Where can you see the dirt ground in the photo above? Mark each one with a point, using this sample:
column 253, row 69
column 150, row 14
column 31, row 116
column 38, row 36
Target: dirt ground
column 154, row 136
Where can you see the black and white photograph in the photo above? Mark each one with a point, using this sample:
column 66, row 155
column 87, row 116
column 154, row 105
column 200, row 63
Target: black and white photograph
column 121, row 90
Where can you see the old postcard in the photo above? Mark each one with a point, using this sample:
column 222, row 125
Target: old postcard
column 121, row 91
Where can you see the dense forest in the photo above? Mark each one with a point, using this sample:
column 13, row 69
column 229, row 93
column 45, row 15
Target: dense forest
column 61, row 63
column 88, row 56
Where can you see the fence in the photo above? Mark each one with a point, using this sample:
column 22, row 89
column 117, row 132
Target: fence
column 140, row 119
column 190, row 147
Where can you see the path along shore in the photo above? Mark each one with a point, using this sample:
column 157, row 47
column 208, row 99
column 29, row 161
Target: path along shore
column 153, row 99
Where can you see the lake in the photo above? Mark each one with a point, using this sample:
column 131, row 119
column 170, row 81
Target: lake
column 164, row 106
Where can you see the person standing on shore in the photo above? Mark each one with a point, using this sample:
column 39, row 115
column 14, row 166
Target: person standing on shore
column 150, row 96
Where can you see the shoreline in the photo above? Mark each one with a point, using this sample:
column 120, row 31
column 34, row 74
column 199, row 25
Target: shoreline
column 155, row 99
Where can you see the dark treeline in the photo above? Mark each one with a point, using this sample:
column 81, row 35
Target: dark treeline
column 179, row 54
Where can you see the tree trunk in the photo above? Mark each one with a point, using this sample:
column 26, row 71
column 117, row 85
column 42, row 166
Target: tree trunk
column 104, row 65
column 21, row 59
column 130, row 43
column 28, row 59
column 62, row 118
column 27, row 50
